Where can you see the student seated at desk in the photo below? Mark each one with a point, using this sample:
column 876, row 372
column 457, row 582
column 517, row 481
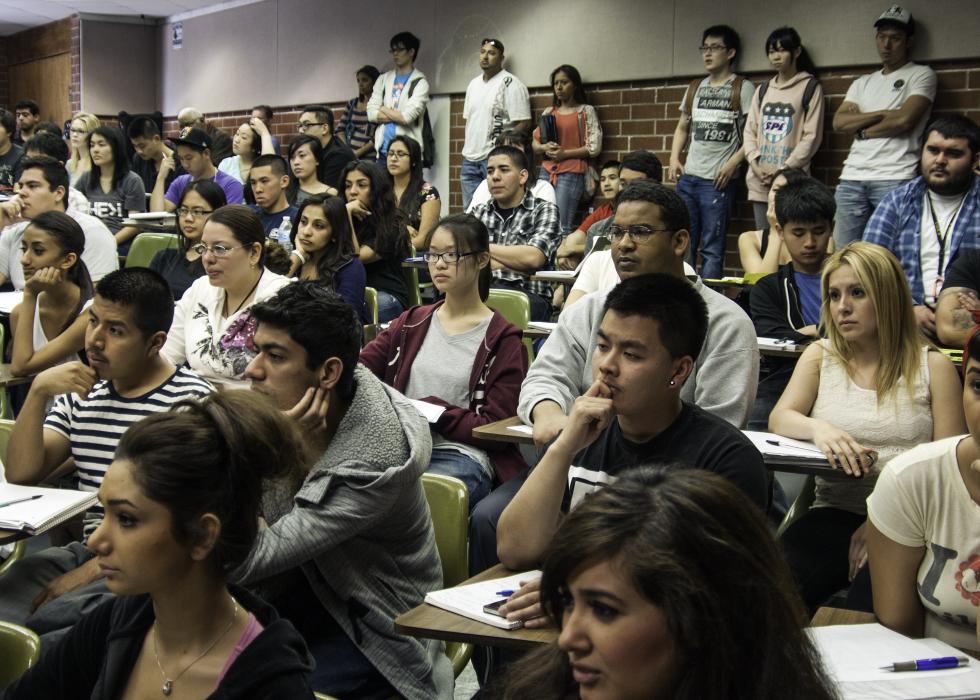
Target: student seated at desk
column 182, row 499
column 786, row 304
column 924, row 534
column 44, row 143
column 127, row 379
column 874, row 387
column 458, row 354
column 572, row 248
column 763, row 250
column 305, row 153
column 182, row 265
column 353, row 547
column 651, row 607
column 48, row 325
column 541, row 189
column 269, row 180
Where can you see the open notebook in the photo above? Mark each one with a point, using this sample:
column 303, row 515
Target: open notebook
column 45, row 509
column 469, row 600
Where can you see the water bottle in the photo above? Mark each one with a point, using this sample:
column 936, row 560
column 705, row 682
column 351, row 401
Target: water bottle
column 285, row 230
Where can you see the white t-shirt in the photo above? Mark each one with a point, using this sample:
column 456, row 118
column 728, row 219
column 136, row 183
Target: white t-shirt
column 541, row 189
column 920, row 500
column 599, row 273
column 99, row 255
column 491, row 107
column 891, row 158
column 947, row 211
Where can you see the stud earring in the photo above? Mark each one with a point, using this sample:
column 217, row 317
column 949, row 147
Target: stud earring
column 671, row 382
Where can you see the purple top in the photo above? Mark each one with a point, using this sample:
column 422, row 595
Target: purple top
column 231, row 186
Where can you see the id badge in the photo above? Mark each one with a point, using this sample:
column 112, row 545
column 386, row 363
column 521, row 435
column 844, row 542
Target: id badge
column 937, row 287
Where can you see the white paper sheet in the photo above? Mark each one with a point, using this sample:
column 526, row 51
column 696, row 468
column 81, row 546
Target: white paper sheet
column 429, row 411
column 522, row 429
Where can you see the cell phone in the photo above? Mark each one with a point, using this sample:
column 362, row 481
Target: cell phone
column 494, row 608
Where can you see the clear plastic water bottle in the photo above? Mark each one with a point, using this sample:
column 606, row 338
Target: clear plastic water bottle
column 285, row 231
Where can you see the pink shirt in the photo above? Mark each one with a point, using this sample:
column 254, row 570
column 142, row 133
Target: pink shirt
column 253, row 628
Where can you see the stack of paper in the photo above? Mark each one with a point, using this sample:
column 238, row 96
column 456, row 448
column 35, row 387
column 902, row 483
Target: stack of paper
column 854, row 654
column 44, row 509
column 469, row 600
column 784, row 449
column 778, row 344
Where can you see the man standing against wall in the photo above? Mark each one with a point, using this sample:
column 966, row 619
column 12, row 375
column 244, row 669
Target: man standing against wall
column 886, row 112
column 495, row 101
column 400, row 96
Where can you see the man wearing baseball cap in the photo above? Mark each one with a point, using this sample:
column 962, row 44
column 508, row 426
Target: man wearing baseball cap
column 886, row 113
column 193, row 150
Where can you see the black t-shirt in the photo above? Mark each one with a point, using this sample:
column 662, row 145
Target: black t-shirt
column 179, row 272
column 335, row 158
column 147, row 170
column 964, row 271
column 695, row 439
column 10, row 167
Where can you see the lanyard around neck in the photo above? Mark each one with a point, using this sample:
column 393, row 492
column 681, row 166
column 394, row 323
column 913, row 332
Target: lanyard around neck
column 943, row 235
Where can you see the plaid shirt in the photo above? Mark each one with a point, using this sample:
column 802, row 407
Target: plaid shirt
column 533, row 222
column 897, row 224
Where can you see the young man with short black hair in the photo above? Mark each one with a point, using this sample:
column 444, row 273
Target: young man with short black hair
column 353, row 547
column 194, row 155
column 28, row 115
column 495, row 102
column 713, row 114
column 400, row 96
column 269, row 178
column 151, row 150
column 44, row 187
column 10, row 153
column 44, row 143
column 317, row 121
column 886, row 113
column 126, row 378
column 523, row 229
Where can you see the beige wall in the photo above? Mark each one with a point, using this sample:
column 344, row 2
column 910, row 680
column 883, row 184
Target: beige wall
column 288, row 52
column 120, row 68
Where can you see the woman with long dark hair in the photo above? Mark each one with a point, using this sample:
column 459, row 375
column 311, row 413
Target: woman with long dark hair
column 668, row 584
column 354, row 129
column 417, row 199
column 382, row 234
column 323, row 244
column 577, row 137
column 113, row 190
column 182, row 499
column 305, row 153
column 48, row 325
column 182, row 265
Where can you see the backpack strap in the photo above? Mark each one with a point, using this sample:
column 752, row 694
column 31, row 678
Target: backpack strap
column 737, row 95
column 811, row 87
column 763, row 89
column 689, row 101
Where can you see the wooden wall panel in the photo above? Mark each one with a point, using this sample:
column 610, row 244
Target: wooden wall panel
column 40, row 42
column 46, row 81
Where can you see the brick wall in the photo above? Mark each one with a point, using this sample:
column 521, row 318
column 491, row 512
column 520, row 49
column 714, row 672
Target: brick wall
column 643, row 113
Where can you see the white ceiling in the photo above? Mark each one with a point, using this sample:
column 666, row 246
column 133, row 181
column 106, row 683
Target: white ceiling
column 17, row 15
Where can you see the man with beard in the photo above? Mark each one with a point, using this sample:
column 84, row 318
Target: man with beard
column 935, row 218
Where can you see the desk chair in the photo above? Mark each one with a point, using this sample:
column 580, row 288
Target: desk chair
column 412, row 281
column 146, row 245
column 19, row 650
column 20, row 547
column 371, row 300
column 515, row 307
column 450, row 510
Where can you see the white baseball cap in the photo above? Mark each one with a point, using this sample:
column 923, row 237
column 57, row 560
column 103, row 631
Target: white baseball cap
column 896, row 14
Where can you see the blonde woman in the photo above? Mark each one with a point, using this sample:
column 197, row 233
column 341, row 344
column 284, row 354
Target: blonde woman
column 872, row 389
column 80, row 162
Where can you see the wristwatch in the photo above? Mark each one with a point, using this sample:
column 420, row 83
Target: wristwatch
column 861, row 135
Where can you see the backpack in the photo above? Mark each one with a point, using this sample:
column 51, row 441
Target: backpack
column 428, row 138
column 811, row 87
column 736, row 106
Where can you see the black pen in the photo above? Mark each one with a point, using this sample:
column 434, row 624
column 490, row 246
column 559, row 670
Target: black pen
column 19, row 500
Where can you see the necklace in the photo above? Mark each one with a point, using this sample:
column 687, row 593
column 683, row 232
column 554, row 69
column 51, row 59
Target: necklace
column 245, row 298
column 168, row 683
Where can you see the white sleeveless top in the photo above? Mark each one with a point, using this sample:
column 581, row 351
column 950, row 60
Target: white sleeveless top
column 899, row 423
column 39, row 340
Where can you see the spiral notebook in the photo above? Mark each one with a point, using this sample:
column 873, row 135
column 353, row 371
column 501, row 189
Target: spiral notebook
column 469, row 600
column 43, row 509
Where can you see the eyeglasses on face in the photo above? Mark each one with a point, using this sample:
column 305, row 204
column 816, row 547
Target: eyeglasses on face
column 397, row 49
column 396, row 155
column 218, row 251
column 449, row 257
column 303, row 126
column 712, row 48
column 193, row 212
column 637, row 233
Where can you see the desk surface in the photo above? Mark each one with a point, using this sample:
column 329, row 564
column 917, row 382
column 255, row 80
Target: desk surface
column 8, row 379
column 498, row 431
column 838, row 616
column 429, row 622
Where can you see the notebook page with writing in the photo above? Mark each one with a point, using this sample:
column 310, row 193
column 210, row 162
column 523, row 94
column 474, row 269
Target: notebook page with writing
column 468, row 600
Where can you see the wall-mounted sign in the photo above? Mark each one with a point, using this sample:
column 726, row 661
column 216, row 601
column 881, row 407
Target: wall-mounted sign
column 177, row 36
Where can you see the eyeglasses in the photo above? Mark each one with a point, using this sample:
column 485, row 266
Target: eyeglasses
column 303, row 126
column 450, row 257
column 397, row 49
column 397, row 155
column 637, row 233
column 712, row 48
column 218, row 251
column 194, row 213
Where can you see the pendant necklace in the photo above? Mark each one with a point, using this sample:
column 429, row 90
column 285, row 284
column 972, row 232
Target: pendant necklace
column 168, row 683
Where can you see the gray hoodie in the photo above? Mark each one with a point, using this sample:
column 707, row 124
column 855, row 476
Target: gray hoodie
column 359, row 529
column 725, row 376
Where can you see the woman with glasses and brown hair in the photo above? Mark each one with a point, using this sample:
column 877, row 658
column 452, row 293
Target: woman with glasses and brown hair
column 460, row 355
column 418, row 199
column 212, row 329
column 182, row 265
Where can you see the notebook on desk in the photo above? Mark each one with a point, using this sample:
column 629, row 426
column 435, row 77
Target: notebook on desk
column 44, row 509
column 469, row 600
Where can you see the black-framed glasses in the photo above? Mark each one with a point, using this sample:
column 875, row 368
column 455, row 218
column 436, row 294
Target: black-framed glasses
column 303, row 126
column 397, row 49
column 712, row 48
column 193, row 212
column 218, row 251
column 638, row 233
column 398, row 155
column 450, row 257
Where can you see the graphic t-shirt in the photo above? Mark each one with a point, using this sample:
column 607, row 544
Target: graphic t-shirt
column 715, row 127
column 112, row 207
column 10, row 168
column 809, row 288
column 396, row 94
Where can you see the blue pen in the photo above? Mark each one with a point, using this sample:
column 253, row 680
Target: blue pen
column 928, row 664
column 505, row 594
column 19, row 500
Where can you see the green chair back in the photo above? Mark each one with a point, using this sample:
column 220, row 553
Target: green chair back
column 371, row 299
column 19, row 650
column 412, row 281
column 20, row 547
column 515, row 307
column 449, row 505
column 751, row 278
column 6, row 425
column 146, row 245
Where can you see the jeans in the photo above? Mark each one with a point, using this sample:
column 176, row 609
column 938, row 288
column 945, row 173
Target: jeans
column 389, row 308
column 470, row 176
column 568, row 193
column 449, row 462
column 856, row 202
column 709, row 209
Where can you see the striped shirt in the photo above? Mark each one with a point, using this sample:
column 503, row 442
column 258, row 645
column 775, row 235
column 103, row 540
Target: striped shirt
column 95, row 424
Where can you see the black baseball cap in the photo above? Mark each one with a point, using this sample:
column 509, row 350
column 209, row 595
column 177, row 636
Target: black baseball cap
column 193, row 137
